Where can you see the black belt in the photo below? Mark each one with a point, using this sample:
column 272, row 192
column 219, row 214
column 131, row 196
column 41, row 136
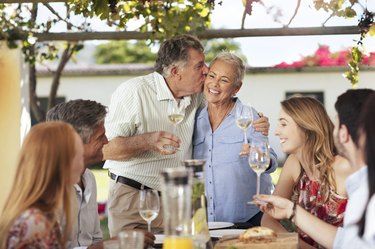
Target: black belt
column 128, row 181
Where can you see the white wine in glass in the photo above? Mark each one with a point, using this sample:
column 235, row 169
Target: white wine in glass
column 149, row 205
column 175, row 114
column 244, row 118
column 259, row 159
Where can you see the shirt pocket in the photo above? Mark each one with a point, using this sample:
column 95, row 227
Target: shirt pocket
column 228, row 148
column 199, row 148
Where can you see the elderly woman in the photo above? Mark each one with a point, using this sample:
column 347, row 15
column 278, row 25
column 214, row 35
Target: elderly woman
column 230, row 182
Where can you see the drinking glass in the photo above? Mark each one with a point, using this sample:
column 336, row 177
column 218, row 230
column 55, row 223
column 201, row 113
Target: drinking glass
column 149, row 205
column 131, row 239
column 259, row 159
column 244, row 118
column 175, row 114
column 111, row 244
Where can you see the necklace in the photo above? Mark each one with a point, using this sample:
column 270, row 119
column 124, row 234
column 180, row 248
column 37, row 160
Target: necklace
column 216, row 117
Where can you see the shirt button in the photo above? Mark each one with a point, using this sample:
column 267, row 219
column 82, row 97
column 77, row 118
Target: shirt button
column 211, row 198
column 209, row 150
column 210, row 182
column 209, row 166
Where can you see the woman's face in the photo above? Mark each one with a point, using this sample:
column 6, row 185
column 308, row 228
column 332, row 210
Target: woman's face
column 219, row 86
column 77, row 163
column 292, row 138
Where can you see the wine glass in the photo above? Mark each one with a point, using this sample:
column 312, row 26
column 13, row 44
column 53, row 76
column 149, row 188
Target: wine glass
column 244, row 118
column 259, row 159
column 175, row 114
column 149, row 205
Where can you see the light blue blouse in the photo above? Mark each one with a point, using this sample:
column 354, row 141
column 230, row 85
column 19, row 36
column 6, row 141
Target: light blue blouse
column 230, row 182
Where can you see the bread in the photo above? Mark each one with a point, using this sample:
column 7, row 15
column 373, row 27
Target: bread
column 258, row 234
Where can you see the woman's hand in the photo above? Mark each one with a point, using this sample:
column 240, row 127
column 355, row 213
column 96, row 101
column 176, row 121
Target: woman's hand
column 262, row 124
column 275, row 206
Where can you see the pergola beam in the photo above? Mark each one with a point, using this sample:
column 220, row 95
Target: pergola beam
column 208, row 34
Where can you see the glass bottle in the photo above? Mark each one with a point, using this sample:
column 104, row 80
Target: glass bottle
column 176, row 198
column 199, row 225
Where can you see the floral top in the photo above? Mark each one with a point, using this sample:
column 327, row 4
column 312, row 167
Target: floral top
column 32, row 229
column 308, row 195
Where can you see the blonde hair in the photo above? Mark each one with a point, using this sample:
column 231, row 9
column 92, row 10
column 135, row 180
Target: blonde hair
column 312, row 118
column 43, row 178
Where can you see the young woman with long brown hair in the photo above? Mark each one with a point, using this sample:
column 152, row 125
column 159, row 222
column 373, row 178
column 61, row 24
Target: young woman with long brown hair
column 40, row 206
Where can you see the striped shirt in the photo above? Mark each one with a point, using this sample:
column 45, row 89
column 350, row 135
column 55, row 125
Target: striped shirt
column 140, row 105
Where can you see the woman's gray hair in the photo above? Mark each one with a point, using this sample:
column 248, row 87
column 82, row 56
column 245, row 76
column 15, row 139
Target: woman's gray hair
column 234, row 60
column 174, row 51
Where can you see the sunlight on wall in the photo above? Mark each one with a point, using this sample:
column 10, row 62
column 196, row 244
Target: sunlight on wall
column 10, row 107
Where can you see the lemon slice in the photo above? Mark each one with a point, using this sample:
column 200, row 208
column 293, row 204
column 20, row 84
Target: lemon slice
column 199, row 223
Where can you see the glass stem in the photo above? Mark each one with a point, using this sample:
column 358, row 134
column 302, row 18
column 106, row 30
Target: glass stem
column 258, row 183
column 149, row 226
column 245, row 137
column 174, row 129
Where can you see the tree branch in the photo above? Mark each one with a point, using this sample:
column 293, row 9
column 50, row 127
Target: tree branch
column 295, row 12
column 243, row 19
column 330, row 16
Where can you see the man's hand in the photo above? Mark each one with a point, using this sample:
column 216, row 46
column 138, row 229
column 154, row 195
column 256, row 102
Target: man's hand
column 164, row 142
column 262, row 124
column 149, row 239
column 275, row 206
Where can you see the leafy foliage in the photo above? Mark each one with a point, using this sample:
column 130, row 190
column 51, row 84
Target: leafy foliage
column 213, row 47
column 163, row 18
column 121, row 52
column 346, row 8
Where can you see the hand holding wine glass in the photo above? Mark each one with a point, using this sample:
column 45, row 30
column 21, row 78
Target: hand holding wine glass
column 149, row 205
column 259, row 159
column 244, row 118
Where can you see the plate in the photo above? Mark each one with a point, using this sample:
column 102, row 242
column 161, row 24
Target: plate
column 159, row 238
column 221, row 232
column 219, row 224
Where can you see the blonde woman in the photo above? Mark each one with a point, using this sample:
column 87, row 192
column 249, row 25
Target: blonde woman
column 313, row 176
column 50, row 162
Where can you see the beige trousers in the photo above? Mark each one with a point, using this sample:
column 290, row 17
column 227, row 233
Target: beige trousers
column 123, row 202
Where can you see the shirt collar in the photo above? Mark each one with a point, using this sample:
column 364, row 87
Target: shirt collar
column 164, row 93
column 356, row 179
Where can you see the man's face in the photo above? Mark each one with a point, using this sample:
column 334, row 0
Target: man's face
column 193, row 73
column 336, row 137
column 93, row 149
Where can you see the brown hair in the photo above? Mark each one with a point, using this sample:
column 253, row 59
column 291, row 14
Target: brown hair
column 312, row 118
column 42, row 180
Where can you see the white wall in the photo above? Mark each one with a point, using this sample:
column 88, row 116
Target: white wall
column 263, row 90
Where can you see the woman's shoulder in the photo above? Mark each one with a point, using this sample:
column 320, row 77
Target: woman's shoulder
column 32, row 229
column 292, row 166
column 31, row 222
